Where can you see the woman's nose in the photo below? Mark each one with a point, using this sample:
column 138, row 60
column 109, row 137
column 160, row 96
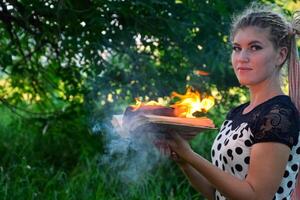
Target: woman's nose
column 243, row 56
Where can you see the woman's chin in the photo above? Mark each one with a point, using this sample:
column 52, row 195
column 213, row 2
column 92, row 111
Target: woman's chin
column 244, row 82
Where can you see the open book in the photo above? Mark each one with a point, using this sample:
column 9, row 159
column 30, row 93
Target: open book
column 146, row 123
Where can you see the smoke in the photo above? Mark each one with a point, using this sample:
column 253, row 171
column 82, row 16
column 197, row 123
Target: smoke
column 130, row 157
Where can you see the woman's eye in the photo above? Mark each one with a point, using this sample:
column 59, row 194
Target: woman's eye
column 255, row 47
column 235, row 48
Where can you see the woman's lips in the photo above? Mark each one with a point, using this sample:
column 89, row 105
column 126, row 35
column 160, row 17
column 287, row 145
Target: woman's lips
column 244, row 69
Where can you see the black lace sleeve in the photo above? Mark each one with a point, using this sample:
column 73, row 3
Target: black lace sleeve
column 280, row 123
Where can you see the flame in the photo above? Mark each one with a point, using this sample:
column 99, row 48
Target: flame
column 201, row 73
column 139, row 104
column 190, row 103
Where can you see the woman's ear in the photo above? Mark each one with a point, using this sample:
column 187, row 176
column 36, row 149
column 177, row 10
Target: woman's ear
column 282, row 55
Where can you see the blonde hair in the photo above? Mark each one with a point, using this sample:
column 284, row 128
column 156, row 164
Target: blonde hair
column 294, row 65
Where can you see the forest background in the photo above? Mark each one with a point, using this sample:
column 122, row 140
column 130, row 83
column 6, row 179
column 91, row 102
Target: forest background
column 68, row 65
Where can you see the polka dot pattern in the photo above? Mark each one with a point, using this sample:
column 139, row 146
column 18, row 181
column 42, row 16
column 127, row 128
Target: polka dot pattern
column 231, row 153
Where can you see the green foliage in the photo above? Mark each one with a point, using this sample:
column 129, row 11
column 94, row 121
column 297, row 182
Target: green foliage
column 62, row 49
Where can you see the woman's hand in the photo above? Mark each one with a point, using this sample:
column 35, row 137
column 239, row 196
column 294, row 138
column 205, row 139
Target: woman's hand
column 179, row 145
column 175, row 157
column 163, row 147
column 189, row 135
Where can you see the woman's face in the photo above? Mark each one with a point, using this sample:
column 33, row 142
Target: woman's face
column 254, row 57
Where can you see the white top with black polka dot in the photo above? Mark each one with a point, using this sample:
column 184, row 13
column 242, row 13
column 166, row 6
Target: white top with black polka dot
column 275, row 120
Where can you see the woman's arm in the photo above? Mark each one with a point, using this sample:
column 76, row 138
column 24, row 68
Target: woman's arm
column 199, row 182
column 266, row 169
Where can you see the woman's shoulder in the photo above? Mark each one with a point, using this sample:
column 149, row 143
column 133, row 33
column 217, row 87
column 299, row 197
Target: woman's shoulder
column 279, row 103
column 276, row 109
column 277, row 121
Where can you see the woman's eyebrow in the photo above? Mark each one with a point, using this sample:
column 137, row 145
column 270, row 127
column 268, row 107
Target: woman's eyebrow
column 250, row 43
column 255, row 42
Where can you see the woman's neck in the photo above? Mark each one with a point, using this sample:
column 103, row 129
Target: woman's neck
column 263, row 91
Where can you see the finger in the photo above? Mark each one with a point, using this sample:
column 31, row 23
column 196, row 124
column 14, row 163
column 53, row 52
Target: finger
column 177, row 138
column 158, row 143
column 193, row 134
column 188, row 137
column 171, row 143
column 167, row 151
column 174, row 155
column 160, row 146
column 163, row 151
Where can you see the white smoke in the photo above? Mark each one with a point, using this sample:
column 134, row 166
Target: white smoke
column 130, row 156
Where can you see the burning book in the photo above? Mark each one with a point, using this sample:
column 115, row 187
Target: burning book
column 146, row 117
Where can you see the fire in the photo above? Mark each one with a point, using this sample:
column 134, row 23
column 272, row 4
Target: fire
column 190, row 103
column 139, row 104
column 201, row 73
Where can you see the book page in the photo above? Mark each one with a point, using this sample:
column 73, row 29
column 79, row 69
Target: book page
column 193, row 122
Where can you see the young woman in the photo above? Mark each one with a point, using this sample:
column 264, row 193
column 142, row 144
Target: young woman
column 256, row 154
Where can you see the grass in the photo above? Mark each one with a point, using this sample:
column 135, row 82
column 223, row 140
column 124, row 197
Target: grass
column 64, row 164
